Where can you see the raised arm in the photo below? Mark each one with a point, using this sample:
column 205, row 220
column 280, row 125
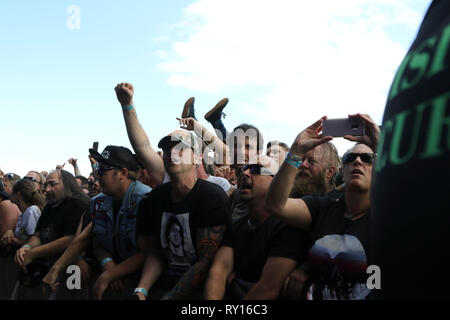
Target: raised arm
column 208, row 241
column 207, row 137
column 137, row 136
column 74, row 164
column 293, row 211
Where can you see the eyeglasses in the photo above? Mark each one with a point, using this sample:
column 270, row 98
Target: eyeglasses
column 365, row 157
column 257, row 169
column 100, row 170
column 51, row 183
column 32, row 179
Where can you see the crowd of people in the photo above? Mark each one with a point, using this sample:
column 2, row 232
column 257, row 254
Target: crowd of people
column 219, row 214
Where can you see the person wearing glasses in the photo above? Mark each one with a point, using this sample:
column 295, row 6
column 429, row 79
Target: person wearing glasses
column 8, row 181
column 259, row 251
column 339, row 228
column 114, row 224
column 38, row 179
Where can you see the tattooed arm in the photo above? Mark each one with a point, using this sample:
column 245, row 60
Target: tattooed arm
column 208, row 241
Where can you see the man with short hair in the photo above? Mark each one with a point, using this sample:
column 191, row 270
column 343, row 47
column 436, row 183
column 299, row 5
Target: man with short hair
column 114, row 220
column 181, row 224
column 259, row 249
column 277, row 150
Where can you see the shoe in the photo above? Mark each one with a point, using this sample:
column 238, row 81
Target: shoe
column 216, row 113
column 188, row 110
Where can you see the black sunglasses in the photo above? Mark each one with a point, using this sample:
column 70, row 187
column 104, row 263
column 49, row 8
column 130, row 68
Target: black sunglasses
column 100, row 170
column 32, row 179
column 365, row 157
column 257, row 169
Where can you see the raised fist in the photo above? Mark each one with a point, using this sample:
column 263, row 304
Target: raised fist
column 73, row 161
column 125, row 92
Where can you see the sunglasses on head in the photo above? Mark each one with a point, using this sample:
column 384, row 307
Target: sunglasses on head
column 9, row 176
column 32, row 179
column 365, row 157
column 257, row 169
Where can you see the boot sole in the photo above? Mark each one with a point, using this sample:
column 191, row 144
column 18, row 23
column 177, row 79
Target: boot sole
column 187, row 104
column 221, row 104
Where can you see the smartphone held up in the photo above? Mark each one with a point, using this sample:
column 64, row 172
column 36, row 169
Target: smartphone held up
column 343, row 127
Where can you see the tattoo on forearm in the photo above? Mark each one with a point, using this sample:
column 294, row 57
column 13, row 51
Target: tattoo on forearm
column 208, row 243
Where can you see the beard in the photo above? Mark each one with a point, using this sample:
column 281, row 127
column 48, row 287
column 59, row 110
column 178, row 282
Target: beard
column 305, row 184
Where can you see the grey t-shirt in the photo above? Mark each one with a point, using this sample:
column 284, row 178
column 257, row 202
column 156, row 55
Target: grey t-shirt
column 26, row 224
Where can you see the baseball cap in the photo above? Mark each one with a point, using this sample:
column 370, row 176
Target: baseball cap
column 115, row 156
column 185, row 137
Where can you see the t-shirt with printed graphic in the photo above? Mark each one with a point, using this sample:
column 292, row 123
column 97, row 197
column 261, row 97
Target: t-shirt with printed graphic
column 410, row 218
column 337, row 259
column 26, row 224
column 176, row 224
column 59, row 220
column 253, row 245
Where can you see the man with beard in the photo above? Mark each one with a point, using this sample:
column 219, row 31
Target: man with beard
column 317, row 173
column 316, row 176
column 66, row 203
column 260, row 251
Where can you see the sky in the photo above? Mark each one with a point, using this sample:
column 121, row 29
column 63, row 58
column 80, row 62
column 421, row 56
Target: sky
column 283, row 64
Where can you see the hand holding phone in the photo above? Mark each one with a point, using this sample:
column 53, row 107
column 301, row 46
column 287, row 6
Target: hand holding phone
column 358, row 128
column 344, row 127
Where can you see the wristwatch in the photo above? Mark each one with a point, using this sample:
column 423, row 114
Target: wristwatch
column 293, row 159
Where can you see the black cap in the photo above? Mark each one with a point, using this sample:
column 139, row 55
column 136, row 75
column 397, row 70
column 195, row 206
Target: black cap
column 115, row 156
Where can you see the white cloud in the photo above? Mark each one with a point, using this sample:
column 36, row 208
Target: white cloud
column 302, row 59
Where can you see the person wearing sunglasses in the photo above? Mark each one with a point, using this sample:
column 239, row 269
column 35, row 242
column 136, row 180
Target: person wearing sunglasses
column 38, row 180
column 338, row 259
column 8, row 181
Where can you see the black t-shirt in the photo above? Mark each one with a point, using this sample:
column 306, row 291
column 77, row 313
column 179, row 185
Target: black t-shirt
column 176, row 224
column 410, row 220
column 252, row 246
column 337, row 259
column 59, row 220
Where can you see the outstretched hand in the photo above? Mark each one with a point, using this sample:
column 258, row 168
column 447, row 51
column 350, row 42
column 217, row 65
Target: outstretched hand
column 372, row 132
column 310, row 138
column 125, row 93
column 187, row 123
